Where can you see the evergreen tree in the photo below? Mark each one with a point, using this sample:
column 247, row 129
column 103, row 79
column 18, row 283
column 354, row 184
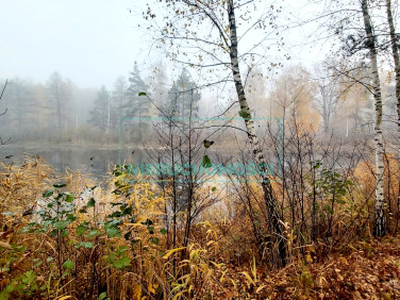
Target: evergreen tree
column 183, row 98
column 138, row 108
column 118, row 99
column 100, row 115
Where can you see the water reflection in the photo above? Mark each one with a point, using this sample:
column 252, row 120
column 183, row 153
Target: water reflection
column 97, row 162
column 89, row 160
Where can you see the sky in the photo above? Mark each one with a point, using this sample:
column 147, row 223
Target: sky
column 91, row 42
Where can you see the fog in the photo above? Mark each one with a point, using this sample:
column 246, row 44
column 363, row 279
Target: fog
column 90, row 42
column 74, row 71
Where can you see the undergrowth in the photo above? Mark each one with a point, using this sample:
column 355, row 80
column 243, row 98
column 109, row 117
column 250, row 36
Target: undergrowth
column 64, row 237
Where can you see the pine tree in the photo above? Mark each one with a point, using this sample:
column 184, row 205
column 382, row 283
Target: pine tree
column 138, row 108
column 119, row 95
column 99, row 116
column 182, row 97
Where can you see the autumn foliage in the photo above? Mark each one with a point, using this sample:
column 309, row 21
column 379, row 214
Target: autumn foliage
column 113, row 243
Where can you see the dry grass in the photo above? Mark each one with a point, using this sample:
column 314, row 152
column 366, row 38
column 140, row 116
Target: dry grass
column 84, row 255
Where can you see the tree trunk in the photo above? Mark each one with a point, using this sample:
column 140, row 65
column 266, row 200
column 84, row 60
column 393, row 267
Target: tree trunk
column 396, row 59
column 271, row 203
column 380, row 222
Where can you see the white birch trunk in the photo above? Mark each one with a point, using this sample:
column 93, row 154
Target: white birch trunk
column 396, row 59
column 271, row 203
column 380, row 221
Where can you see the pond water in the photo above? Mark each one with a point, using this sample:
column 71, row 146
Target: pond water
column 94, row 160
column 97, row 161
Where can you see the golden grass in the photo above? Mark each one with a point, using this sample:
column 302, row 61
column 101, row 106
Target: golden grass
column 90, row 259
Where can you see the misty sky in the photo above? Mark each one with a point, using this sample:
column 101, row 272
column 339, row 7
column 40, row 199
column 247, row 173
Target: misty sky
column 91, row 42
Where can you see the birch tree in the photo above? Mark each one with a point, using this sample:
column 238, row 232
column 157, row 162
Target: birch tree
column 218, row 45
column 396, row 59
column 371, row 42
column 354, row 26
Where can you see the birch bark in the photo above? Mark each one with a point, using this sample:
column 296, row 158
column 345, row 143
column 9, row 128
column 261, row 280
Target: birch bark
column 380, row 221
column 271, row 203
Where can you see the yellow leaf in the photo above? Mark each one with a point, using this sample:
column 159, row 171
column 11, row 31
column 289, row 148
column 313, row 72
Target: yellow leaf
column 173, row 251
column 65, row 297
column 260, row 288
column 179, row 294
column 234, row 283
column 223, row 275
column 248, row 277
column 137, row 291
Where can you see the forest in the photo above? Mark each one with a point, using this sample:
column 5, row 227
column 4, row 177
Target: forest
column 222, row 169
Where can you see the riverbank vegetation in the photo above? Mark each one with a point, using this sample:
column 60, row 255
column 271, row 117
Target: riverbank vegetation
column 116, row 240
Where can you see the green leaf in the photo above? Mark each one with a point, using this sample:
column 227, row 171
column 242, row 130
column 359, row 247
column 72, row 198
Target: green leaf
column 61, row 224
column 59, row 185
column 122, row 250
column 91, row 202
column 213, row 189
column 122, row 263
column 112, row 223
column 5, row 294
column 48, row 193
column 28, row 277
column 207, row 143
column 71, row 217
column 69, row 197
column 163, row 231
column 81, row 229
column 103, row 296
column 19, row 248
column 113, row 232
column 244, row 114
column 206, row 163
column 68, row 264
column 88, row 245
column 142, row 94
column 66, row 273
column 111, row 258
column 93, row 233
column 154, row 240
